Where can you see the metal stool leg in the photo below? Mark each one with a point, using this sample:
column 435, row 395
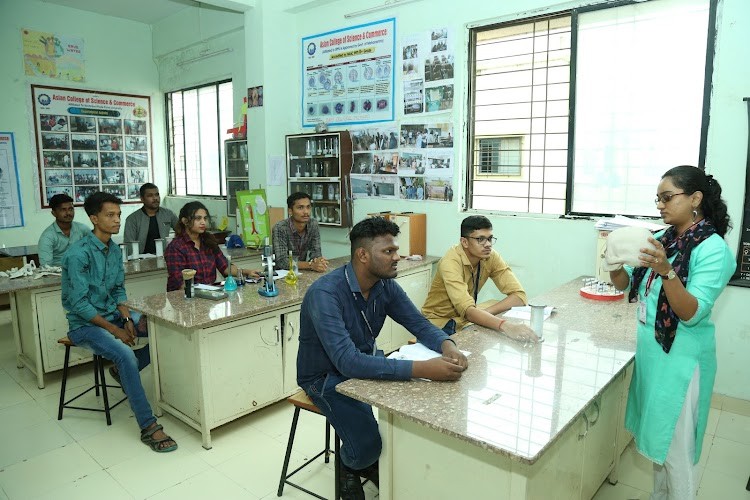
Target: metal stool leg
column 97, row 362
column 328, row 442
column 289, row 445
column 64, row 381
column 100, row 377
column 337, row 468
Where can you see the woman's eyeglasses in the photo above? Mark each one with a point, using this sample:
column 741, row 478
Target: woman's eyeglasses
column 484, row 239
column 666, row 197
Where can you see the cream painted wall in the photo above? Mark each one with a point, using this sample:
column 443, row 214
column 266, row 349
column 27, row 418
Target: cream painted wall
column 185, row 35
column 118, row 59
column 544, row 252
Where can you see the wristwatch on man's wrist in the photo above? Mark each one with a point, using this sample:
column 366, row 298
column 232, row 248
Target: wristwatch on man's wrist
column 671, row 274
column 126, row 320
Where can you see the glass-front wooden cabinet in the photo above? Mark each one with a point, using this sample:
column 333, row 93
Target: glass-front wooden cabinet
column 319, row 165
column 237, row 170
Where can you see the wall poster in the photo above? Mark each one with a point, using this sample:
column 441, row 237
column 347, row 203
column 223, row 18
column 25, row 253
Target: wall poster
column 348, row 75
column 11, row 212
column 254, row 217
column 90, row 141
column 427, row 71
column 411, row 161
column 53, row 55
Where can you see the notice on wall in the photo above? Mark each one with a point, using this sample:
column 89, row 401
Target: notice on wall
column 254, row 217
column 412, row 161
column 90, row 141
column 348, row 75
column 11, row 214
column 53, row 56
column 427, row 71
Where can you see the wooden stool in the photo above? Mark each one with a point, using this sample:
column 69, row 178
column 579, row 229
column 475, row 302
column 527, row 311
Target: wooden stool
column 301, row 401
column 99, row 382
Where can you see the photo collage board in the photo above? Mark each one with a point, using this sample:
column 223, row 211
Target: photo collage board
column 89, row 141
column 427, row 71
column 413, row 162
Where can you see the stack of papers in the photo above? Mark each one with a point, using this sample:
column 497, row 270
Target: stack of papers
column 201, row 286
column 417, row 352
column 618, row 221
column 524, row 312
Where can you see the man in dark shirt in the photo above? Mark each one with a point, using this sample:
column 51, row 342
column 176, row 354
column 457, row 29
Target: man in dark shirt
column 341, row 316
column 151, row 222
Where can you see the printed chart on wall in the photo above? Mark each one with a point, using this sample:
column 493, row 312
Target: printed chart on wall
column 348, row 75
column 53, row 55
column 90, row 141
column 427, row 71
column 11, row 213
column 412, row 162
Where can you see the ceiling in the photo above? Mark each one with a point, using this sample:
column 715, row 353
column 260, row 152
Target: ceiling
column 143, row 11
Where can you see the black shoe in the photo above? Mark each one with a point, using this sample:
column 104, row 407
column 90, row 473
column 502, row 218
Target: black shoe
column 371, row 473
column 350, row 485
column 115, row 374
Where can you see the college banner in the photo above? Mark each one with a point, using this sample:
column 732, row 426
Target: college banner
column 90, row 141
column 348, row 75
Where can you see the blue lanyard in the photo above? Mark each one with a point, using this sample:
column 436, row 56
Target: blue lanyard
column 362, row 312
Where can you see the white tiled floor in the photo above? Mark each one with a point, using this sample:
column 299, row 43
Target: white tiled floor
column 80, row 457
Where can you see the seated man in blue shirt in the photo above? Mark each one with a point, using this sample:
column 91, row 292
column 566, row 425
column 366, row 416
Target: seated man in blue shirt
column 342, row 314
column 93, row 294
column 62, row 233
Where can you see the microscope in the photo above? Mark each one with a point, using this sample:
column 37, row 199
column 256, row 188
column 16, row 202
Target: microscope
column 269, row 287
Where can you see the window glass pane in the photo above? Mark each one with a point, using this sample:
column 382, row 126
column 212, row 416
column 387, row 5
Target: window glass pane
column 209, row 141
column 518, row 68
column 197, row 121
column 629, row 128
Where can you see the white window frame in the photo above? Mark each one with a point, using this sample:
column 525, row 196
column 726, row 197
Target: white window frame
column 180, row 182
column 520, row 190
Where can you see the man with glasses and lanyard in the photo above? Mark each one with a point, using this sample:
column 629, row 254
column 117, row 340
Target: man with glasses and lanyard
column 465, row 268
column 341, row 316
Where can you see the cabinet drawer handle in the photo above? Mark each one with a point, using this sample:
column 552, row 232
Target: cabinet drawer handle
column 586, row 431
column 291, row 331
column 598, row 413
column 255, row 403
column 278, row 334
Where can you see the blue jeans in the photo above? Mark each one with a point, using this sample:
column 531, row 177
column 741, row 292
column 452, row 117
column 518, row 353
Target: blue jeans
column 129, row 362
column 450, row 327
column 352, row 420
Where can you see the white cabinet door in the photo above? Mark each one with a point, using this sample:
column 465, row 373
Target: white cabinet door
column 290, row 330
column 416, row 286
column 623, row 436
column 244, row 363
column 143, row 285
column 599, row 454
column 53, row 325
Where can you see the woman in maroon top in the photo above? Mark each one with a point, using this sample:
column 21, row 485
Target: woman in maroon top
column 194, row 248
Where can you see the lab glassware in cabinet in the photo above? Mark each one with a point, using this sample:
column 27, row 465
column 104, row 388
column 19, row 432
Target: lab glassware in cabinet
column 237, row 171
column 318, row 164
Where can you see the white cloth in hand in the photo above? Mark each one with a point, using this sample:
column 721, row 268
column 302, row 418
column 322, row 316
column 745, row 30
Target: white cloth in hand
column 623, row 246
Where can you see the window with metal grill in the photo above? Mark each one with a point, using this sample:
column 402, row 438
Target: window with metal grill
column 601, row 101
column 197, row 121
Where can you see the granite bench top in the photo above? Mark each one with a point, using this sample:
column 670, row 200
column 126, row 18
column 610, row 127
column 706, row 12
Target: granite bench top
column 515, row 400
column 132, row 268
column 174, row 308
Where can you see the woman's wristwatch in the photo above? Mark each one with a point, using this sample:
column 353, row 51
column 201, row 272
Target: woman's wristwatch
column 671, row 274
column 125, row 321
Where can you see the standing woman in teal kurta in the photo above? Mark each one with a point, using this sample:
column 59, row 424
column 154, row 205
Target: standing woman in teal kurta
column 676, row 285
